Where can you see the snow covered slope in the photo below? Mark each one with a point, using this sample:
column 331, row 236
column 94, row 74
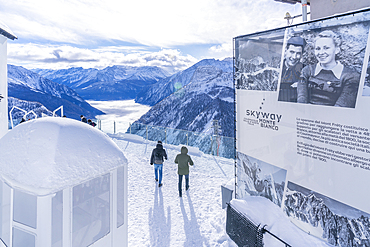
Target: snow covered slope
column 165, row 87
column 26, row 85
column 208, row 96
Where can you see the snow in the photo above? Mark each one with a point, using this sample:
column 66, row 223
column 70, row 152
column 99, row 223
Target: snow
column 45, row 155
column 158, row 216
column 6, row 28
column 262, row 211
column 35, row 157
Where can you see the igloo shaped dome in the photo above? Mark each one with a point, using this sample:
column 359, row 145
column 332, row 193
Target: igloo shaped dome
column 49, row 154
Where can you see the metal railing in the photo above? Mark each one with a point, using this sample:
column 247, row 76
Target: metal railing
column 217, row 145
column 244, row 232
column 207, row 143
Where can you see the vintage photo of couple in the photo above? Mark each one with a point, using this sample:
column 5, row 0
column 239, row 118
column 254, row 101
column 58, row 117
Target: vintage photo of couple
column 316, row 68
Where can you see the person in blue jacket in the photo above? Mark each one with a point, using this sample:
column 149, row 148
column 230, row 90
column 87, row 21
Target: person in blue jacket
column 158, row 154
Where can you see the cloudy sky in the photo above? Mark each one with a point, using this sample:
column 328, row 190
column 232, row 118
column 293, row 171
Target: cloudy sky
column 172, row 34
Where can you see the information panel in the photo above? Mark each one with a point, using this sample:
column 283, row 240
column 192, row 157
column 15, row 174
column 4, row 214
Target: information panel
column 303, row 124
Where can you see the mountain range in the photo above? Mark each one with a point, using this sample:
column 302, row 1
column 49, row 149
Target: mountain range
column 166, row 86
column 26, row 85
column 338, row 230
column 206, row 93
column 189, row 100
column 112, row 83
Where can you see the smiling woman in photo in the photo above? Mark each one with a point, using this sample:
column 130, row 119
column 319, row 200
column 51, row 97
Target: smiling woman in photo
column 328, row 82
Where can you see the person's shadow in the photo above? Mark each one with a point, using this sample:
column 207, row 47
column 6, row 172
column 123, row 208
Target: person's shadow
column 159, row 224
column 191, row 227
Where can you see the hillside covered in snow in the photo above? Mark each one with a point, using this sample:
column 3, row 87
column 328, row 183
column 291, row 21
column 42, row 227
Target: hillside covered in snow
column 29, row 86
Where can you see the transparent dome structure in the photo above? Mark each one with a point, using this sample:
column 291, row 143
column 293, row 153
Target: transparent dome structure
column 62, row 183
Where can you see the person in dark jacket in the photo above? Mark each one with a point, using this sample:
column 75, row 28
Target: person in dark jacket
column 157, row 159
column 92, row 123
column 183, row 160
column 83, row 119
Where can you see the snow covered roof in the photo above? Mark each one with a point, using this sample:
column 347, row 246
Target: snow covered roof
column 49, row 154
column 292, row 1
column 5, row 30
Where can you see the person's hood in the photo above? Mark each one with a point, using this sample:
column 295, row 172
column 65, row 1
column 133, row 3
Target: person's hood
column 159, row 146
column 184, row 150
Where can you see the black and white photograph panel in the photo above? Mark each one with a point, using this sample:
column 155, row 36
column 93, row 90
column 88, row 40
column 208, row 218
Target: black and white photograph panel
column 322, row 65
column 337, row 223
column 258, row 178
column 366, row 89
column 257, row 61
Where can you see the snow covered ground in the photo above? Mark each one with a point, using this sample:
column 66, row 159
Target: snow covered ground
column 158, row 216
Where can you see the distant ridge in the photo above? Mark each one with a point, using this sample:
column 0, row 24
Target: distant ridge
column 111, row 83
column 26, row 85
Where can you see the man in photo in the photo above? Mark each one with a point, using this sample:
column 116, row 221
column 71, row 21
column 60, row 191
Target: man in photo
column 291, row 71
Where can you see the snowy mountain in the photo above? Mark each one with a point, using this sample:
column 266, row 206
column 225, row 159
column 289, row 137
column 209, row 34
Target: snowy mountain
column 29, row 86
column 165, row 87
column 257, row 74
column 338, row 230
column 111, row 83
column 189, row 100
column 207, row 96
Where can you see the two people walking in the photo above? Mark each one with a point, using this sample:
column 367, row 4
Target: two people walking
column 183, row 160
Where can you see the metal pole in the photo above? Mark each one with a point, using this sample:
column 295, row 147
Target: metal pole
column 114, row 125
column 130, row 128
column 147, row 132
column 187, row 139
column 165, row 134
column 304, row 10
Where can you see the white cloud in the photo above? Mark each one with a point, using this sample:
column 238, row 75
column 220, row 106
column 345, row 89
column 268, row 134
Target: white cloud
column 96, row 25
column 59, row 57
column 161, row 23
column 221, row 51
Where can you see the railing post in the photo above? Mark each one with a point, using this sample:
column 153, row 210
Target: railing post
column 130, row 128
column 211, row 145
column 114, row 125
column 147, row 132
column 187, row 139
column 165, row 134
